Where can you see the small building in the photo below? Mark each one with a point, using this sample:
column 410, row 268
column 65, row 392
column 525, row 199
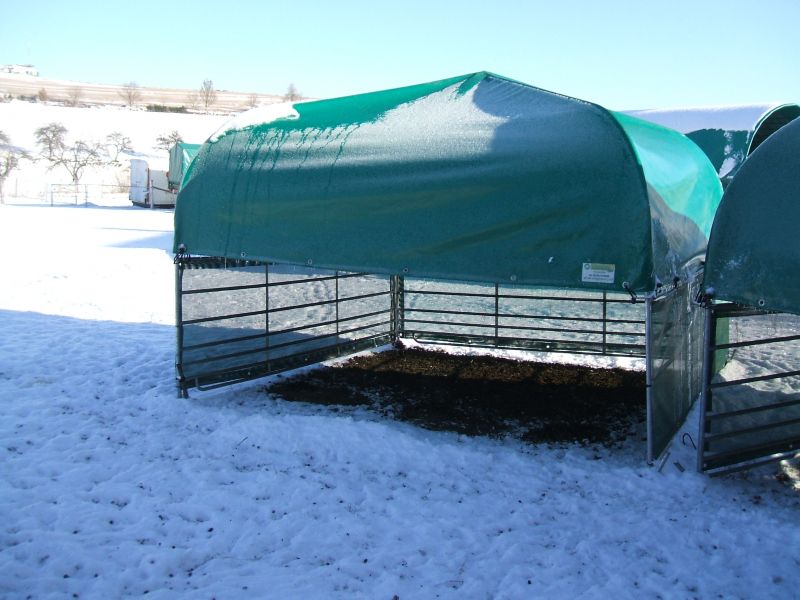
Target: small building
column 20, row 70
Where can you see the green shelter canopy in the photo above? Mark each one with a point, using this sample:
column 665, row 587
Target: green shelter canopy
column 181, row 156
column 477, row 178
column 754, row 248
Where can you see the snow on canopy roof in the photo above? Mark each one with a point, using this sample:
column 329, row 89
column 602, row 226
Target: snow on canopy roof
column 727, row 134
column 743, row 117
column 754, row 248
column 476, row 177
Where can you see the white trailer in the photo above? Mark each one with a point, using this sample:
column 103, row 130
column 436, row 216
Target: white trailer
column 147, row 183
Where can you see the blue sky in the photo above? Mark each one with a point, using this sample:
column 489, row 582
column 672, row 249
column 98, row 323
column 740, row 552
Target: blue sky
column 622, row 54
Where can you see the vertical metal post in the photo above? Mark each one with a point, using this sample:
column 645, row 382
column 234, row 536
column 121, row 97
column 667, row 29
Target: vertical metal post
column 50, row 188
column 709, row 348
column 336, row 305
column 396, row 298
column 266, row 313
column 496, row 314
column 182, row 389
column 150, row 192
column 605, row 317
column 393, row 307
column 336, row 283
column 648, row 341
column 401, row 307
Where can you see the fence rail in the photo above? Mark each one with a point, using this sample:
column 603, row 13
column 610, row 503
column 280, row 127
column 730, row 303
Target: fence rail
column 67, row 194
column 511, row 317
column 238, row 320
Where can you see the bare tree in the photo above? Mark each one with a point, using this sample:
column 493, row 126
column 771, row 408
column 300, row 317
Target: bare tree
column 51, row 139
column 252, row 100
column 119, row 143
column 131, row 93
column 193, row 100
column 167, row 140
column 74, row 95
column 75, row 158
column 208, row 95
column 292, row 94
column 10, row 157
column 42, row 95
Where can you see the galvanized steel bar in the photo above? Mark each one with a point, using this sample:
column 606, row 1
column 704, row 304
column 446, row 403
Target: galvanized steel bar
column 182, row 390
column 605, row 319
column 752, row 410
column 706, row 395
column 721, row 384
column 648, row 353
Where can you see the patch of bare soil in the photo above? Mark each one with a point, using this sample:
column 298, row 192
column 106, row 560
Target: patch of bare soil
column 482, row 395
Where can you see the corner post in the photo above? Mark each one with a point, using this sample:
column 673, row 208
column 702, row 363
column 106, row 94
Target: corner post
column 183, row 391
column 648, row 341
column 709, row 348
column 396, row 284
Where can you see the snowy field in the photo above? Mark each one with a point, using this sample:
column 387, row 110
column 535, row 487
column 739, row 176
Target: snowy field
column 30, row 182
column 112, row 486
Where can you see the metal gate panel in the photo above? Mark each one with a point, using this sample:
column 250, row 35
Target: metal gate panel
column 500, row 316
column 751, row 407
column 238, row 320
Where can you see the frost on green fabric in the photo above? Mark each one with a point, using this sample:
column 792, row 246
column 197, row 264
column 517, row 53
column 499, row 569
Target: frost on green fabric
column 754, row 247
column 473, row 178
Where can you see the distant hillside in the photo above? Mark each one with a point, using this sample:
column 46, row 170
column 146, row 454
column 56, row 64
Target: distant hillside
column 27, row 86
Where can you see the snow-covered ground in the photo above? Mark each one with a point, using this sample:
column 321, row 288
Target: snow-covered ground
column 112, row 486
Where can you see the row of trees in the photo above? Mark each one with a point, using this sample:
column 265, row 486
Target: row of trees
column 205, row 97
column 74, row 157
column 131, row 94
column 77, row 156
column 74, row 96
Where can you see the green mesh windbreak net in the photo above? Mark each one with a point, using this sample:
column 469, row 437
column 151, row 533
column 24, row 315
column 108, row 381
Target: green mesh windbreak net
column 476, row 178
column 674, row 362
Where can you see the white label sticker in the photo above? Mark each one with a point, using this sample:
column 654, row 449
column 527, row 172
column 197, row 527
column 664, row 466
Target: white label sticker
column 598, row 273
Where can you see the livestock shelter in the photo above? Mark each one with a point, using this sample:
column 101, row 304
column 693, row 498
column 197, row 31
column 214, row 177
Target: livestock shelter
column 473, row 210
column 751, row 412
column 181, row 156
column 727, row 134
